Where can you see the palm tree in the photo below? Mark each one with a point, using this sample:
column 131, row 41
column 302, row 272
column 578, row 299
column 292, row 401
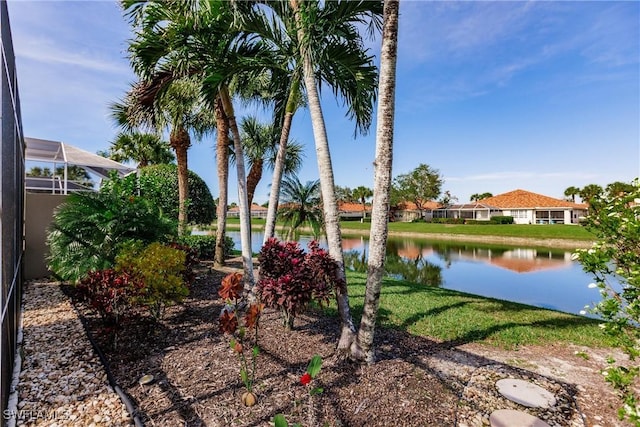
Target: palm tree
column 572, row 192
column 301, row 206
column 362, row 193
column 589, row 192
column 362, row 347
column 327, row 32
column 180, row 109
column 200, row 40
column 143, row 148
column 261, row 149
column 222, row 158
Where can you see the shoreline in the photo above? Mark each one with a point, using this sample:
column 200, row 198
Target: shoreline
column 470, row 238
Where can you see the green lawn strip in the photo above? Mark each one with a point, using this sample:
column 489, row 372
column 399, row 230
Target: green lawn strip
column 447, row 315
column 556, row 231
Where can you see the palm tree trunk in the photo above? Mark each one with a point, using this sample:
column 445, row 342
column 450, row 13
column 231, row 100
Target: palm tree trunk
column 327, row 187
column 222, row 155
column 278, row 167
column 180, row 141
column 255, row 174
column 362, row 349
column 245, row 220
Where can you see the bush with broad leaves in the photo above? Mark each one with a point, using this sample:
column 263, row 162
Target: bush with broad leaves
column 291, row 278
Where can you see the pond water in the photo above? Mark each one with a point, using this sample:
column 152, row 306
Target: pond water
column 540, row 277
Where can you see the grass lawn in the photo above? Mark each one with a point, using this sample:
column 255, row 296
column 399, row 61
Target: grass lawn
column 556, row 231
column 448, row 315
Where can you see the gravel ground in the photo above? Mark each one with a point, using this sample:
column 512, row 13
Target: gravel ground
column 62, row 382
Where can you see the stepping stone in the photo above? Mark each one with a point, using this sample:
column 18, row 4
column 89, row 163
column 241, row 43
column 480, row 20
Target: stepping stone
column 525, row 393
column 511, row 418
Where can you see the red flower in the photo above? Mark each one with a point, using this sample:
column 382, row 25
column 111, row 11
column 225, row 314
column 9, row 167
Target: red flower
column 305, row 379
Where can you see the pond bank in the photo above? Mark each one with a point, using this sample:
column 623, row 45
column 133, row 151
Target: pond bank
column 505, row 240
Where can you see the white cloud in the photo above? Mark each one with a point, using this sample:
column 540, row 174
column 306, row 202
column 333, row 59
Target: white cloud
column 46, row 53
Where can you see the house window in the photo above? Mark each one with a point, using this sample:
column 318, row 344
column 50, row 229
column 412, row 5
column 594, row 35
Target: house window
column 519, row 213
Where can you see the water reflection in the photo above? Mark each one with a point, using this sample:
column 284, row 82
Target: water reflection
column 416, row 270
column 539, row 277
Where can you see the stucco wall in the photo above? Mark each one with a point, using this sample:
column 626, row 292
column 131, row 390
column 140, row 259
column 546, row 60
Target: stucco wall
column 38, row 214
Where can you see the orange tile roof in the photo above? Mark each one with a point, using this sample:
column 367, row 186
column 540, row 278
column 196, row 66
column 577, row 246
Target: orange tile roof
column 410, row 206
column 526, row 199
column 352, row 207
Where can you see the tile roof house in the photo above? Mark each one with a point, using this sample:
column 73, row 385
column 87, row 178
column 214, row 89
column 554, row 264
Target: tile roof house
column 524, row 206
column 353, row 210
column 408, row 211
column 256, row 210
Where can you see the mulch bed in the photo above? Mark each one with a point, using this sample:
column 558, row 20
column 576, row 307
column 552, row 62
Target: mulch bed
column 414, row 382
column 197, row 380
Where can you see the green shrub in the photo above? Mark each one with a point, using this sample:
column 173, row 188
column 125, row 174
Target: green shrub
column 478, row 222
column 502, row 219
column 160, row 269
column 205, row 246
column 448, row 220
column 159, row 183
column 89, row 229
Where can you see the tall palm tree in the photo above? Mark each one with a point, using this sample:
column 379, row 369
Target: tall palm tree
column 301, row 206
column 363, row 193
column 261, row 149
column 362, row 348
column 143, row 148
column 222, row 158
column 202, row 40
column 328, row 30
column 179, row 109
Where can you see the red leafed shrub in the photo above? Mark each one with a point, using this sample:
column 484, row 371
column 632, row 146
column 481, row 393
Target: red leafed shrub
column 110, row 293
column 291, row 279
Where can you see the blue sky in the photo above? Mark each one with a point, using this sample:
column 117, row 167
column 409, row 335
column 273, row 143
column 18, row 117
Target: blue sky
column 495, row 95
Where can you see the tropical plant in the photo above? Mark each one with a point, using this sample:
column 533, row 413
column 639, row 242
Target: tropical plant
column 261, row 148
column 143, row 148
column 231, row 290
column 589, row 192
column 222, row 159
column 181, row 109
column 361, row 194
column 89, row 229
column 161, row 270
column 345, row 194
column 618, row 188
column 614, row 262
column 328, row 33
column 110, row 293
column 290, row 278
column 205, row 245
column 362, row 348
column 301, row 206
column 159, row 183
column 572, row 192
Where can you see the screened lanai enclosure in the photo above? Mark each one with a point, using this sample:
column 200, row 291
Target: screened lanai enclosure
column 57, row 158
